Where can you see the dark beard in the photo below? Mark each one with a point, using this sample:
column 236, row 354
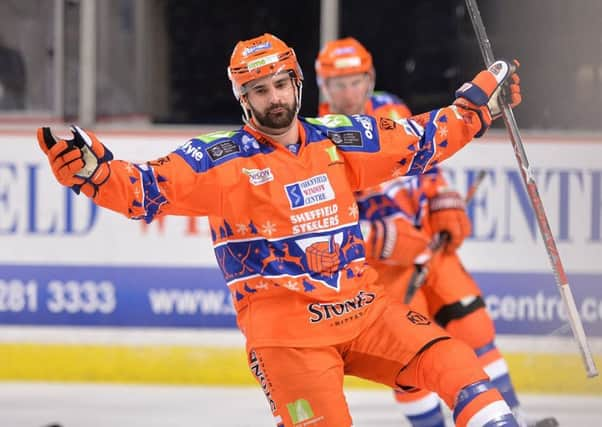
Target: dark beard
column 280, row 120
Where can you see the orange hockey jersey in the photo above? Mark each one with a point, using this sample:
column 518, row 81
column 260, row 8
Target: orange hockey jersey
column 405, row 197
column 285, row 227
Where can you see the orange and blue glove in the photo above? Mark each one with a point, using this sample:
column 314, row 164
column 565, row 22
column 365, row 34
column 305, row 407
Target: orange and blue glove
column 447, row 216
column 485, row 93
column 81, row 163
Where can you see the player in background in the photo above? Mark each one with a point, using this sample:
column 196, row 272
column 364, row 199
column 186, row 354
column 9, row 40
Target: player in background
column 399, row 218
column 280, row 196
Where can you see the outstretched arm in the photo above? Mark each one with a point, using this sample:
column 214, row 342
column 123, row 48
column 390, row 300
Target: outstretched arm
column 391, row 148
column 168, row 185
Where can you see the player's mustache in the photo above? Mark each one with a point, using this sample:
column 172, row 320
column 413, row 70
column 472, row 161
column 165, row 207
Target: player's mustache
column 274, row 106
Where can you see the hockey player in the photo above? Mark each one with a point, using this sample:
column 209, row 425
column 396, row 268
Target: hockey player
column 399, row 219
column 279, row 194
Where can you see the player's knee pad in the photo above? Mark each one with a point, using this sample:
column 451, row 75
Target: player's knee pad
column 475, row 328
column 445, row 367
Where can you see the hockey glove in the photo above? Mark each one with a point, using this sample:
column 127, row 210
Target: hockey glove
column 395, row 241
column 80, row 163
column 485, row 93
column 447, row 215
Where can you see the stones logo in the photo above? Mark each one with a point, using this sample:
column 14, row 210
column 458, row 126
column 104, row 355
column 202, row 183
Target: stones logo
column 326, row 311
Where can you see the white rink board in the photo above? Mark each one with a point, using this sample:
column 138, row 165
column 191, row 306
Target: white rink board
column 39, row 226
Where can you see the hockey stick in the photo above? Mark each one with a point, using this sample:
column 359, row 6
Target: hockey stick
column 542, row 220
column 438, row 242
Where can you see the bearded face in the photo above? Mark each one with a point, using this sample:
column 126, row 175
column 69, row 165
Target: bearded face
column 275, row 116
column 272, row 101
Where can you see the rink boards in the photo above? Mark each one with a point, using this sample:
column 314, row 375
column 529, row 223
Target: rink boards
column 65, row 263
column 520, row 303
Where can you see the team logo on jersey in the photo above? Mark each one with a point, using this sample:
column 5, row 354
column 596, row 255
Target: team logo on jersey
column 387, row 124
column 222, row 149
column 320, row 218
column 346, row 138
column 417, row 318
column 308, row 192
column 258, row 176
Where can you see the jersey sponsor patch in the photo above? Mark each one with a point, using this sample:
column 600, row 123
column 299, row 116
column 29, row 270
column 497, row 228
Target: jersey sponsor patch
column 222, row 150
column 300, row 410
column 308, row 192
column 320, row 311
column 258, row 176
column 346, row 138
column 256, row 366
column 191, row 150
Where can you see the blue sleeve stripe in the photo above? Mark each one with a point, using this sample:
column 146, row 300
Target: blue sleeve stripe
column 426, row 147
column 152, row 198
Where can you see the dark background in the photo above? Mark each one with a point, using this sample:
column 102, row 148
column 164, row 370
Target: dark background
column 423, row 50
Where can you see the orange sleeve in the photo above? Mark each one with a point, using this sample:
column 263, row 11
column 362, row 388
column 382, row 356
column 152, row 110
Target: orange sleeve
column 394, row 148
column 168, row 185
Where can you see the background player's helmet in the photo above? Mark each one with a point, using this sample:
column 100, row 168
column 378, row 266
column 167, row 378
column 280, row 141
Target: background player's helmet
column 259, row 57
column 341, row 57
